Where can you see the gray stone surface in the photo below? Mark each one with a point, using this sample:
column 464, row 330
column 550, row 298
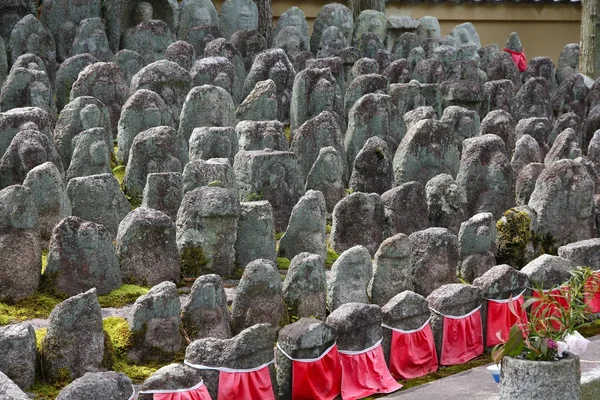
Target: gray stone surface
column 477, row 244
column 236, row 15
column 90, row 38
column 10, row 390
column 150, row 38
column 81, row 256
column 222, row 48
column 500, row 122
column 358, row 219
column 259, row 297
column 249, row 349
column 566, row 146
column 74, row 342
column 305, row 338
column 567, row 62
column 372, row 169
column 350, row 277
column 306, row 230
column 169, row 80
column 255, row 233
column 158, row 149
column 20, row 265
column 99, row 386
column 218, row 71
column 130, row 63
column 171, row 377
column 163, row 192
column 213, row 142
column 331, row 15
column 13, row 121
column 206, row 105
column 446, row 201
column 270, row 175
column 405, row 209
column 260, row 104
column 206, row 231
column 98, row 198
column 156, row 325
column 146, row 248
column 195, row 13
column 563, row 201
column 571, row 96
column 547, row 271
column 206, row 313
column 486, row 175
column 463, row 122
column 250, row 43
column 533, row 100
column 67, row 75
column 143, row 110
column 358, row 325
column 213, row 172
column 91, row 155
column 427, row 150
column 526, row 181
column 182, row 53
column 584, row 252
column 326, row 176
column 526, row 151
column 259, row 135
column 106, row 83
column 17, row 344
column 305, row 287
column 49, row 194
column 27, row 87
column 392, row 269
column 435, row 256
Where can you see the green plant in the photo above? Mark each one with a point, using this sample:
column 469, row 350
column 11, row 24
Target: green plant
column 555, row 316
column 254, row 196
column 513, row 236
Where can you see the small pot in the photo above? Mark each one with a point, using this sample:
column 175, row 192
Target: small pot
column 540, row 380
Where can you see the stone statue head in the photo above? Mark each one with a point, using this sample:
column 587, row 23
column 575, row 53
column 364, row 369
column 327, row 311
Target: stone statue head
column 90, row 116
column 321, row 97
column 31, row 154
column 142, row 12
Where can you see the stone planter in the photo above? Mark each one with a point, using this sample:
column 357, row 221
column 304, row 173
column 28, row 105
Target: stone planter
column 537, row 380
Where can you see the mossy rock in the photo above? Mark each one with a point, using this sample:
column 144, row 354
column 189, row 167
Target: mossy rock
column 514, row 235
column 193, row 262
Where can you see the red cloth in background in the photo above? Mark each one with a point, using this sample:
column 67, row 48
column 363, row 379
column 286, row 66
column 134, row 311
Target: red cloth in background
column 539, row 307
column 592, row 293
column 246, row 385
column 519, row 59
column 198, row 392
column 319, row 379
column 365, row 373
column 412, row 353
column 500, row 319
column 462, row 339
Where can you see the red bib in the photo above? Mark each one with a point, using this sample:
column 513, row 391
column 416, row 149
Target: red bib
column 365, row 373
column 518, row 58
column 462, row 338
column 412, row 353
column 198, row 392
column 317, row 378
column 543, row 308
column 246, row 384
column 592, row 293
column 500, row 319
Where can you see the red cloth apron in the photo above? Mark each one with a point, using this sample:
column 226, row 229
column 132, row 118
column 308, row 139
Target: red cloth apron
column 543, row 308
column 500, row 319
column 198, row 392
column 316, row 378
column 365, row 373
column 412, row 353
column 247, row 384
column 518, row 58
column 462, row 338
column 592, row 293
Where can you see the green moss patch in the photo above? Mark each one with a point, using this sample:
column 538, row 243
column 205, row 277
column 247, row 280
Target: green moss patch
column 278, row 235
column 46, row 391
column 44, row 260
column 38, row 305
column 513, row 236
column 126, row 294
column 283, row 263
column 119, row 173
column 332, row 256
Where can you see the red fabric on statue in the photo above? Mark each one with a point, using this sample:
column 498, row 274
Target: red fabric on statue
column 247, row 385
column 542, row 308
column 592, row 293
column 317, row 379
column 462, row 338
column 365, row 373
column 519, row 59
column 198, row 392
column 500, row 319
column 412, row 353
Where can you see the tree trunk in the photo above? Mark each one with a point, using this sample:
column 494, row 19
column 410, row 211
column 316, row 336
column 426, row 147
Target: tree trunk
column 358, row 6
column 589, row 54
column 265, row 18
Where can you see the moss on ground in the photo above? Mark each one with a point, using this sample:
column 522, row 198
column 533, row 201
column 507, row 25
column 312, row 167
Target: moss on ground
column 278, row 235
column 332, row 256
column 283, row 263
column 126, row 294
column 328, row 229
column 38, row 305
column 119, row 173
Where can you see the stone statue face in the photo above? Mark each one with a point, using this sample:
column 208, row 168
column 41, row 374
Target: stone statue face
column 90, row 116
column 38, row 93
column 223, row 80
column 152, row 117
column 322, row 97
column 34, row 44
column 332, row 167
column 200, row 17
column 142, row 12
column 87, row 239
column 278, row 73
column 32, row 154
column 245, row 18
column 168, row 95
column 98, row 152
